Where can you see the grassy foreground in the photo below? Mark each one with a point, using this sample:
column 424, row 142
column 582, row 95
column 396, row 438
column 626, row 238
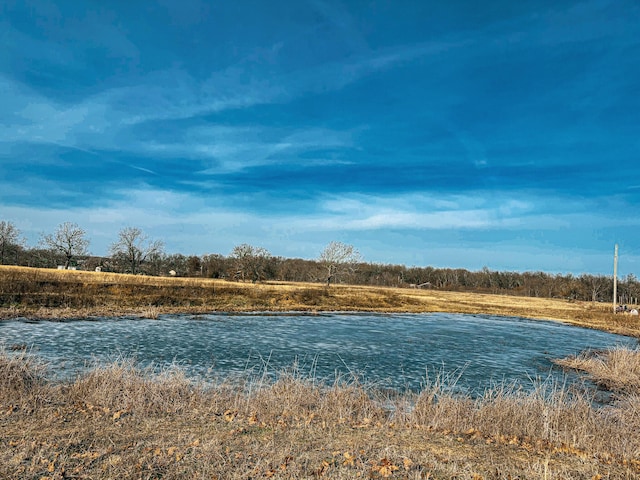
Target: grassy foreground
column 118, row 421
column 46, row 293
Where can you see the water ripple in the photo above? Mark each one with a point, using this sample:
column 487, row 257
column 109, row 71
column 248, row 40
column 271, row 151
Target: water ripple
column 394, row 351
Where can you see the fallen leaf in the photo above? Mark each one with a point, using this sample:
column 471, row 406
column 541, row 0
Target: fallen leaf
column 349, row 459
column 323, row 468
column 386, row 468
column 117, row 414
column 90, row 455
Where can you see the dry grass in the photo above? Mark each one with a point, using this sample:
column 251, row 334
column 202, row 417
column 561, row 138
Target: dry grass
column 120, row 386
column 47, row 293
column 617, row 369
column 151, row 312
column 118, row 421
column 23, row 376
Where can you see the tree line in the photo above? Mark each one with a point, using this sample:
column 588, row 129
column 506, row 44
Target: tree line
column 134, row 252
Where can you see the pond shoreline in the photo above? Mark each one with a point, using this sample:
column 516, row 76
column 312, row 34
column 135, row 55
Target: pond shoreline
column 47, row 294
column 625, row 326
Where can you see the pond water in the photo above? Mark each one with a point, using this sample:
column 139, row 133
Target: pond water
column 388, row 351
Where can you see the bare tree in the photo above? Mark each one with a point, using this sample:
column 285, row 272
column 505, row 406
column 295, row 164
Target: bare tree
column 215, row 265
column 250, row 261
column 338, row 259
column 194, row 266
column 594, row 285
column 69, row 240
column 9, row 239
column 135, row 247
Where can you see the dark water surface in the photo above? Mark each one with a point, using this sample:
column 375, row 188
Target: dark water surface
column 395, row 351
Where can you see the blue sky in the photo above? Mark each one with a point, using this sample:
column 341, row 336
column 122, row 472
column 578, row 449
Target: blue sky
column 454, row 134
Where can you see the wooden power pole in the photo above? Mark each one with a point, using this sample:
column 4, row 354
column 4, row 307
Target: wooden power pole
column 615, row 278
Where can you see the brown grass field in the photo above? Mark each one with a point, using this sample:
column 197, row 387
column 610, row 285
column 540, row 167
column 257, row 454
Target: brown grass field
column 122, row 421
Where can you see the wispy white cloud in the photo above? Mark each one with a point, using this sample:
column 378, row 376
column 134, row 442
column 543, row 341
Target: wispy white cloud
column 414, row 211
column 190, row 224
column 174, row 94
column 33, row 118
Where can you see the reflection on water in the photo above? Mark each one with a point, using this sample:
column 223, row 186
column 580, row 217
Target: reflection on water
column 396, row 351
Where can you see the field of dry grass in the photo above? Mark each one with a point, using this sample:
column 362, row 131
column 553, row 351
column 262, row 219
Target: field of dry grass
column 118, row 421
column 45, row 293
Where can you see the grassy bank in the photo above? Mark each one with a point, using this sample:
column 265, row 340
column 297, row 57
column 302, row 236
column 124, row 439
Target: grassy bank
column 45, row 293
column 118, row 421
column 614, row 370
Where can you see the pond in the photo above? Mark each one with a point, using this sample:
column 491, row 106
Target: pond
column 397, row 351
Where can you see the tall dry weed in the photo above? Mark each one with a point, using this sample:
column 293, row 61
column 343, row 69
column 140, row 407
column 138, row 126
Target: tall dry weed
column 290, row 396
column 615, row 369
column 353, row 402
column 22, row 375
column 123, row 385
column 550, row 414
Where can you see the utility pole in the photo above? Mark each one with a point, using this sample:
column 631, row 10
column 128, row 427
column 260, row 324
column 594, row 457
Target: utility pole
column 615, row 278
